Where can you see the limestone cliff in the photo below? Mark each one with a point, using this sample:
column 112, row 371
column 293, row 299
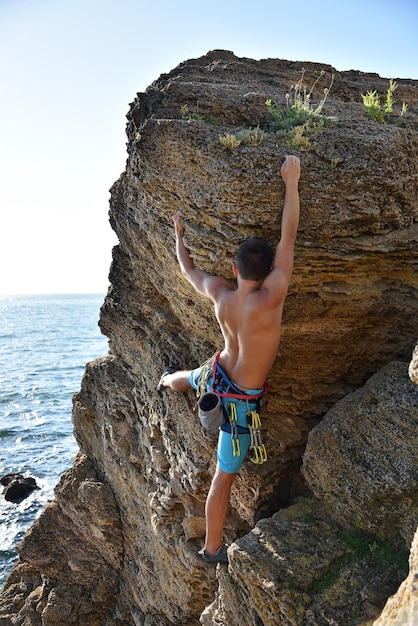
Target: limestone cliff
column 119, row 543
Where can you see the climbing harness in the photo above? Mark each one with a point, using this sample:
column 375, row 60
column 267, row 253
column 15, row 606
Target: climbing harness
column 224, row 388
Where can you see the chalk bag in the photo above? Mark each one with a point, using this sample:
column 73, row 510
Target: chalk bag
column 211, row 411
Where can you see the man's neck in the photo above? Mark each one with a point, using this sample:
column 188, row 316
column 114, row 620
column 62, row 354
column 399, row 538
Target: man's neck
column 247, row 286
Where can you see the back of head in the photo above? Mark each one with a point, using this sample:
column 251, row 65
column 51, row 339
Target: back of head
column 254, row 259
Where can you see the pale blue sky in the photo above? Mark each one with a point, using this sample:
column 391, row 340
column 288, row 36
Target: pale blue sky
column 70, row 68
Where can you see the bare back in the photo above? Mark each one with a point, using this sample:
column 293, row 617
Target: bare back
column 250, row 321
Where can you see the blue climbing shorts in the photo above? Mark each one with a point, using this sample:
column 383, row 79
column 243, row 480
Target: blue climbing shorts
column 227, row 462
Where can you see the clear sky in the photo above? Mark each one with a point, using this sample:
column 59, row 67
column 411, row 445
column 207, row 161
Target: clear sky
column 70, row 68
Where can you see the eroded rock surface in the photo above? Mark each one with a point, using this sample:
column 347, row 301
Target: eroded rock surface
column 402, row 608
column 351, row 309
column 300, row 568
column 369, row 438
column 70, row 559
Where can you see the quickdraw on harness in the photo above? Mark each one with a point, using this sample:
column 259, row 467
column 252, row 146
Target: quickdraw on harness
column 236, row 450
column 257, row 446
column 221, row 385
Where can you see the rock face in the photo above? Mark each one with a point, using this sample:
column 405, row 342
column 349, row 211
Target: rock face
column 119, row 543
column 370, row 439
column 77, row 546
column 300, row 568
column 402, row 608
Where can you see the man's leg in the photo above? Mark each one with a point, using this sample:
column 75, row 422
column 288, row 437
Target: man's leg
column 216, row 508
column 177, row 381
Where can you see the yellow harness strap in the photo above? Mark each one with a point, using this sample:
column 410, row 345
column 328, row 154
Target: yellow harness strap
column 204, row 377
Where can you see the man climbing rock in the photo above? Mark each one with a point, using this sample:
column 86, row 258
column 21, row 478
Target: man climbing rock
column 249, row 315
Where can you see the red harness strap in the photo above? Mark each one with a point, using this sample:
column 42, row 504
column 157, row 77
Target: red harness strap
column 234, row 396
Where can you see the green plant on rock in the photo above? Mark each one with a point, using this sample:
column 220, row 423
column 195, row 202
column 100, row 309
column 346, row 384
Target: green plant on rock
column 364, row 545
column 298, row 138
column 334, row 162
column 300, row 117
column 251, row 136
column 188, row 115
column 299, row 107
column 246, row 137
column 371, row 103
column 325, row 581
column 374, row 108
column 229, row 141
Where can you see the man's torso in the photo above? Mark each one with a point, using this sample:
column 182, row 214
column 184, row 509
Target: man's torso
column 251, row 325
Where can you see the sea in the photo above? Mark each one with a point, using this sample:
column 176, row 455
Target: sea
column 45, row 343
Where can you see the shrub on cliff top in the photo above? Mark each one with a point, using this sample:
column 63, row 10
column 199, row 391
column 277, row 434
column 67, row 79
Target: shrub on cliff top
column 300, row 117
column 374, row 110
column 299, row 109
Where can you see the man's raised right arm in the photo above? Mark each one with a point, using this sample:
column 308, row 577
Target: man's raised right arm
column 203, row 282
column 279, row 278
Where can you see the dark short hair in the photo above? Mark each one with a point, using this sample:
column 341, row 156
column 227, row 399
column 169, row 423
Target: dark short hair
column 254, row 259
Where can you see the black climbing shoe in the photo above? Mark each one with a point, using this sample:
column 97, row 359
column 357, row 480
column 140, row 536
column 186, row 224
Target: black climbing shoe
column 168, row 370
column 220, row 556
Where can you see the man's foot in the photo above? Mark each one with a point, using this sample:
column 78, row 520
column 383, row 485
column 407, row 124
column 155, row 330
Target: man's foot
column 220, row 556
column 168, row 370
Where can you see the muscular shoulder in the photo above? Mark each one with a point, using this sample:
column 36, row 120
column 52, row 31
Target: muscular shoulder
column 216, row 287
column 275, row 287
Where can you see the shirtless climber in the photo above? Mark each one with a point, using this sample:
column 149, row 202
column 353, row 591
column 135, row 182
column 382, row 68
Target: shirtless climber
column 249, row 316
